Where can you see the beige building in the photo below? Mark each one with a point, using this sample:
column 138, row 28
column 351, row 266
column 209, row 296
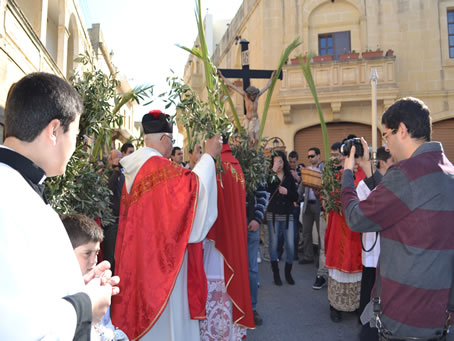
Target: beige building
column 416, row 40
column 47, row 35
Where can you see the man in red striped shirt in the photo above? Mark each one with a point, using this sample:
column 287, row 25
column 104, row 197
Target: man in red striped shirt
column 413, row 209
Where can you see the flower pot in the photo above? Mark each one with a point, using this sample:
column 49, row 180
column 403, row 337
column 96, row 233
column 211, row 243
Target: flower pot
column 389, row 53
column 297, row 61
column 318, row 59
column 372, row 54
column 348, row 56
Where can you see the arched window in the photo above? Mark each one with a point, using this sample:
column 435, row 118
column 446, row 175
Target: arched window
column 334, row 28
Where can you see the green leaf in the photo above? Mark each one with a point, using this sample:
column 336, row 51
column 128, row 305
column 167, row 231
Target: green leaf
column 305, row 65
column 285, row 55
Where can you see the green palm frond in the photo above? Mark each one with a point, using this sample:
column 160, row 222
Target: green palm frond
column 306, row 67
column 194, row 51
column 293, row 45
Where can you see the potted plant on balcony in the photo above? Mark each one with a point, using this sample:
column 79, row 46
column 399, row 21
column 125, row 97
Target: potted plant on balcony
column 372, row 54
column 325, row 58
column 349, row 55
column 389, row 53
column 298, row 59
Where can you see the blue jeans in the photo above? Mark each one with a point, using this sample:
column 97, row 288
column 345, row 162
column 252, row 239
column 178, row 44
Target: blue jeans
column 289, row 238
column 253, row 240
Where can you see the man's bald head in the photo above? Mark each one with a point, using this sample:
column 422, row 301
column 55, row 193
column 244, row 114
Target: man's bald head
column 115, row 157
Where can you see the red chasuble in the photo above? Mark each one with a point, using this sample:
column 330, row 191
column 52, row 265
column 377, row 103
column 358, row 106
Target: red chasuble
column 342, row 245
column 156, row 219
column 229, row 233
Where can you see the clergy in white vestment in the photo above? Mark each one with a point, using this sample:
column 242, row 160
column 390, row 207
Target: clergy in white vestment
column 42, row 292
column 229, row 304
column 166, row 211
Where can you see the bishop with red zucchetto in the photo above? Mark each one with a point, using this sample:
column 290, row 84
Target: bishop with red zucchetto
column 166, row 211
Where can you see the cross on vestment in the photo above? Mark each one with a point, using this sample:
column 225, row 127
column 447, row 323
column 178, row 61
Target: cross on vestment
column 245, row 73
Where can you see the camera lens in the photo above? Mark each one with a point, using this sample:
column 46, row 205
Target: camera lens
column 347, row 146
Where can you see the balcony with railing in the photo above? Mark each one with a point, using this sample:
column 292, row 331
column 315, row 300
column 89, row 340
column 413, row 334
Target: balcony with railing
column 337, row 82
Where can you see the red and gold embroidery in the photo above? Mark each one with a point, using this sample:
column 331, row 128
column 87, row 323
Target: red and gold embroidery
column 239, row 177
column 149, row 181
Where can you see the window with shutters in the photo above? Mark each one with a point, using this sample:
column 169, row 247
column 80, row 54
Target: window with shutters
column 334, row 43
column 451, row 33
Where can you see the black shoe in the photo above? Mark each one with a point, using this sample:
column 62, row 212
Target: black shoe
column 305, row 261
column 275, row 268
column 257, row 319
column 315, row 248
column 319, row 283
column 335, row 315
column 288, row 274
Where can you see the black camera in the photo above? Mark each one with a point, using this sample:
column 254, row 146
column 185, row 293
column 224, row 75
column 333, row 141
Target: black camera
column 347, row 146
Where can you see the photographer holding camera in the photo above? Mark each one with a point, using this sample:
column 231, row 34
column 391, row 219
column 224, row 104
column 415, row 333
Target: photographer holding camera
column 413, row 209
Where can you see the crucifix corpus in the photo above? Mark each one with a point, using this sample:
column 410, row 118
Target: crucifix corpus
column 249, row 93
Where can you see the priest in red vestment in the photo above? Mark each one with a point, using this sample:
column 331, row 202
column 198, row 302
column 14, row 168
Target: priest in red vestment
column 166, row 211
column 226, row 258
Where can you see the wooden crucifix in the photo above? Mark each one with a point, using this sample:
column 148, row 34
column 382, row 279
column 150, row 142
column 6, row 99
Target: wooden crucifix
column 250, row 94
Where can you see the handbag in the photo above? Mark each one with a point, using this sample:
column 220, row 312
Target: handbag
column 385, row 335
column 274, row 193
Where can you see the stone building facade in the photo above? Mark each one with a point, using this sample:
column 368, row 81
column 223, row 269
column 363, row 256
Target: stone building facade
column 414, row 41
column 47, row 35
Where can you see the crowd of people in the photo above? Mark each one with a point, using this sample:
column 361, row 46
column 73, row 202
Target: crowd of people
column 185, row 240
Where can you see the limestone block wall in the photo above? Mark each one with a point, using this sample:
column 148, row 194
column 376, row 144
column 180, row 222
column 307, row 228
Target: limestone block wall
column 415, row 30
column 45, row 35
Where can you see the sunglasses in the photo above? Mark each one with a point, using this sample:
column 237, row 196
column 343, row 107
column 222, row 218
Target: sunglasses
column 311, row 156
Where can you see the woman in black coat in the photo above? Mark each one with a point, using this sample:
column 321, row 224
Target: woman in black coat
column 279, row 215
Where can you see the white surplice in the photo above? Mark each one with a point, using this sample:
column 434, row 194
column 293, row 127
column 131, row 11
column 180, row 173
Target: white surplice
column 37, row 265
column 219, row 323
column 175, row 323
column 369, row 259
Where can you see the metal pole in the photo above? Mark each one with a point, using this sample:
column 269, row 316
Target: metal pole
column 373, row 82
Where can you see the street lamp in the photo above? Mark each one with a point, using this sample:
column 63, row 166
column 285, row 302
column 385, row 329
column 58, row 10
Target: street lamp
column 373, row 84
column 272, row 144
column 276, row 142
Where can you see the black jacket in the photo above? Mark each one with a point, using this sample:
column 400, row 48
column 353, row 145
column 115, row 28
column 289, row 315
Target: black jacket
column 282, row 204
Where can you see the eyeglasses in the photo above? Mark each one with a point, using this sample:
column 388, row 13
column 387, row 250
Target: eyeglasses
column 386, row 135
column 311, row 156
column 170, row 137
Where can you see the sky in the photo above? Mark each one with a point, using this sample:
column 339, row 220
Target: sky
column 143, row 33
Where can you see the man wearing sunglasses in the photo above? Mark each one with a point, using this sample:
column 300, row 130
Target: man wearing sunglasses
column 413, row 209
column 311, row 208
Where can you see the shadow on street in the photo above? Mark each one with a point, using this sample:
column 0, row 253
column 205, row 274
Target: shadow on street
column 298, row 313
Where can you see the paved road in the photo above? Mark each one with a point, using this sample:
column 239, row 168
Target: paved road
column 298, row 313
